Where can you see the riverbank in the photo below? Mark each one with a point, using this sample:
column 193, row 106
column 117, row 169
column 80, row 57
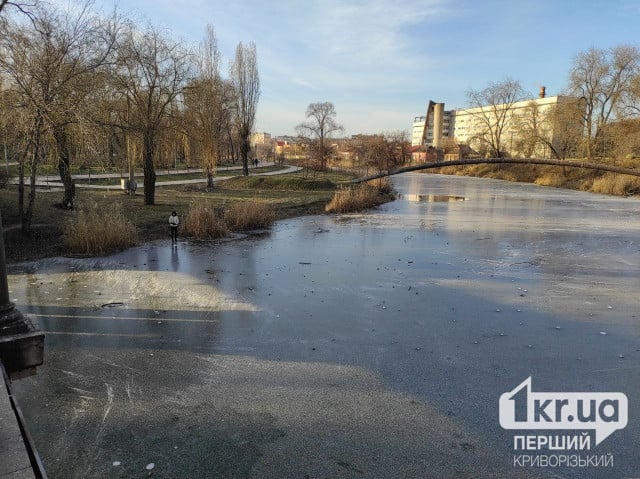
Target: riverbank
column 580, row 179
column 289, row 195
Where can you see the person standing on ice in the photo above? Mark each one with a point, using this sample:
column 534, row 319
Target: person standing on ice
column 174, row 221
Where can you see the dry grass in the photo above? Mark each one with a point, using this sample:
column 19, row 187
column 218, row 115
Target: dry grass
column 383, row 185
column 95, row 230
column 249, row 215
column 357, row 198
column 616, row 184
column 550, row 179
column 203, row 222
column 575, row 178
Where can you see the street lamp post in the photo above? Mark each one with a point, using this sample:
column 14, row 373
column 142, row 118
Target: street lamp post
column 21, row 343
column 10, row 317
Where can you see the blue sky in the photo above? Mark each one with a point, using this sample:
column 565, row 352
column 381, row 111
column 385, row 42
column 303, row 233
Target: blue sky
column 380, row 61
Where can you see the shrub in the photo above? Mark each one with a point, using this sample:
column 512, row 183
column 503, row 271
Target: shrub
column 355, row 198
column 249, row 215
column 203, row 222
column 96, row 230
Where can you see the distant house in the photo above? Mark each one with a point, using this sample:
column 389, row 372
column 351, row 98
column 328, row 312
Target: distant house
column 423, row 154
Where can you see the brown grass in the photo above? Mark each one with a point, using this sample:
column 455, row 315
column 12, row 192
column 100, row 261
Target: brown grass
column 203, row 222
column 249, row 215
column 616, row 184
column 383, row 185
column 95, row 230
column 358, row 198
column 555, row 176
column 550, row 179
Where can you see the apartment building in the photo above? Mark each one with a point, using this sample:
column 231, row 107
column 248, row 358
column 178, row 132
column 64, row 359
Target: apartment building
column 468, row 126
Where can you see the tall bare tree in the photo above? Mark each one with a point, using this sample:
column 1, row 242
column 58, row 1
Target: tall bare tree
column 321, row 124
column 246, row 83
column 602, row 79
column 559, row 128
column 492, row 110
column 152, row 73
column 210, row 104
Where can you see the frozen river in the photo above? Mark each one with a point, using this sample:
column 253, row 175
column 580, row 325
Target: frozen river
column 370, row 345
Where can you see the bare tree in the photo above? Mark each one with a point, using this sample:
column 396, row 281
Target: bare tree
column 602, row 79
column 54, row 63
column 320, row 124
column 246, row 84
column 23, row 61
column 492, row 111
column 209, row 105
column 24, row 7
column 632, row 99
column 532, row 130
column 152, row 72
column 400, row 146
column 623, row 140
column 566, row 123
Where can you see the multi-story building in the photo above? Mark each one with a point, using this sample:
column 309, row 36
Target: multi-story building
column 472, row 126
column 262, row 145
column 289, row 146
column 437, row 116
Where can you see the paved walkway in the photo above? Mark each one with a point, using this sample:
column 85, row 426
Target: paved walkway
column 50, row 181
column 14, row 458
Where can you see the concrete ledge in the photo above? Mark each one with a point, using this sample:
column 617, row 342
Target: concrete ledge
column 21, row 348
column 18, row 456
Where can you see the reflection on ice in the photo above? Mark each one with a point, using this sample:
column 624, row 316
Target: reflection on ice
column 136, row 289
column 433, row 198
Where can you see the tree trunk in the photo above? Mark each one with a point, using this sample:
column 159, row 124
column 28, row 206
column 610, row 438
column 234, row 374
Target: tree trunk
column 231, row 147
column 589, row 141
column 27, row 215
column 244, row 153
column 64, row 166
column 322, row 152
column 21, row 188
column 209, row 175
column 149, row 170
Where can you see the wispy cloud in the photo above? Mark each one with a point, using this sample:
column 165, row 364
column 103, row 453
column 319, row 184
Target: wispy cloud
column 303, row 82
column 379, row 61
column 355, row 44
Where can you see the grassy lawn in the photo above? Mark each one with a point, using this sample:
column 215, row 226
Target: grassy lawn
column 151, row 221
column 168, row 175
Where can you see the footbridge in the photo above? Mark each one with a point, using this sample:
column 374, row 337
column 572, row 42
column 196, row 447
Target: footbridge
column 505, row 161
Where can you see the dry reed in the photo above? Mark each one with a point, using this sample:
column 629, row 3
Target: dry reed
column 203, row 222
column 249, row 215
column 355, row 198
column 97, row 231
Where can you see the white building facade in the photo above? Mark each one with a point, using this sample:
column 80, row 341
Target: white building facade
column 471, row 126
